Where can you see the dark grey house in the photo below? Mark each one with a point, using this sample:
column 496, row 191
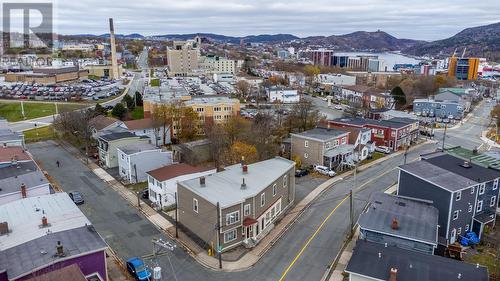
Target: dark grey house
column 251, row 199
column 400, row 221
column 464, row 193
column 376, row 262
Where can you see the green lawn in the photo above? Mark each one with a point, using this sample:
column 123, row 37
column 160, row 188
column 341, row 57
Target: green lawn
column 137, row 186
column 39, row 134
column 155, row 82
column 12, row 110
column 138, row 113
column 487, row 257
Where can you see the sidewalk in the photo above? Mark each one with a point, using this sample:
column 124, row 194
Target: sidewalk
column 200, row 255
column 344, row 259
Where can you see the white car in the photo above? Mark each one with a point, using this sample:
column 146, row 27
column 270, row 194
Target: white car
column 324, row 171
column 338, row 107
column 383, row 149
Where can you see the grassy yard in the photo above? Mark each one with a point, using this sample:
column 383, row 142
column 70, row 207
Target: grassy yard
column 39, row 134
column 487, row 257
column 137, row 186
column 138, row 113
column 375, row 156
column 155, row 82
column 12, row 110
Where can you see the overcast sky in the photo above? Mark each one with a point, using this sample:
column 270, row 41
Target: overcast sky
column 415, row 19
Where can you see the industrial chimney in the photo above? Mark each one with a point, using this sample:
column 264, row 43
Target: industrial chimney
column 114, row 63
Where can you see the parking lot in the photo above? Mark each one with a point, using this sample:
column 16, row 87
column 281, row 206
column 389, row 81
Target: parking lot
column 305, row 184
column 85, row 89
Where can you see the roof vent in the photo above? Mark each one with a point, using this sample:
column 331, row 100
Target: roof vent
column 23, row 190
column 459, row 276
column 4, row 228
column 395, row 224
column 202, row 181
column 243, row 184
column 45, row 222
column 466, row 164
column 60, row 249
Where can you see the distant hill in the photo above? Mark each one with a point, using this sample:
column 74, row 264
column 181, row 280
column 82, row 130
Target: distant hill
column 481, row 41
column 232, row 39
column 363, row 40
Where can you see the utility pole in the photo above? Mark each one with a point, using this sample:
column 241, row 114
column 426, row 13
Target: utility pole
column 351, row 214
column 219, row 246
column 406, row 153
column 22, row 109
column 176, row 214
column 444, row 136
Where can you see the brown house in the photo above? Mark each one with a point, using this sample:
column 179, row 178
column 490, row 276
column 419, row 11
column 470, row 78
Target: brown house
column 248, row 199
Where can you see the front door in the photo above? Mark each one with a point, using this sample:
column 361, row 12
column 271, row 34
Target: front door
column 248, row 232
column 453, row 236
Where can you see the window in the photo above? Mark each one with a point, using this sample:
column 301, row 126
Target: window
column 459, row 231
column 246, row 210
column 495, row 184
column 285, row 182
column 233, row 217
column 472, row 190
column 274, row 189
column 481, row 189
column 470, row 208
column 466, row 227
column 344, row 140
column 262, row 199
column 455, row 215
column 306, row 155
column 278, row 207
column 306, row 143
column 230, row 236
column 195, row 205
column 458, row 195
column 479, row 206
column 492, row 201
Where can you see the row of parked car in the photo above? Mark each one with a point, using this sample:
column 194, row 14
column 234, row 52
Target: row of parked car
column 63, row 91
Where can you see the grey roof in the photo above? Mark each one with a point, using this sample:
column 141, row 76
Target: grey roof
column 26, row 257
column 455, row 165
column 31, row 179
column 395, row 123
column 225, row 187
column 340, row 150
column 137, row 147
column 486, row 216
column 417, row 220
column 322, row 134
column 117, row 136
column 438, row 176
column 20, row 168
column 410, row 265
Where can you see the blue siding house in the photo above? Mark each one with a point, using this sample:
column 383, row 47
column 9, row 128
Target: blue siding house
column 436, row 108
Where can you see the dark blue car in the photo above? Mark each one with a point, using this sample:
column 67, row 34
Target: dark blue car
column 137, row 268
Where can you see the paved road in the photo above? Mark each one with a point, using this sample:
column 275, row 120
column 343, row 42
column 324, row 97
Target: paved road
column 468, row 135
column 322, row 106
column 129, row 233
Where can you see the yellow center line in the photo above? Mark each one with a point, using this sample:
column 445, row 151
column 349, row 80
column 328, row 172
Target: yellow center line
column 310, row 239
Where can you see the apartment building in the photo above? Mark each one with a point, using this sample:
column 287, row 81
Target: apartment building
column 218, row 65
column 212, row 109
column 463, row 68
column 183, row 57
column 249, row 199
column 465, row 194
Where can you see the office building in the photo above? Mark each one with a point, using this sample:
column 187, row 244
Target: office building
column 463, row 68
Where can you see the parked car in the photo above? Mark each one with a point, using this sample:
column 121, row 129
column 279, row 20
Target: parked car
column 338, row 107
column 77, row 197
column 137, row 269
column 383, row 149
column 301, row 173
column 324, row 171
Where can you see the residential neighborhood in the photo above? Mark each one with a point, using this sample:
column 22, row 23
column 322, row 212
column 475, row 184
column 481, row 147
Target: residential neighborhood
column 250, row 141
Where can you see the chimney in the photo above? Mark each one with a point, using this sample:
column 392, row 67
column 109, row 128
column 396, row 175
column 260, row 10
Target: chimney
column 394, row 274
column 59, row 249
column 114, row 64
column 466, row 164
column 245, row 169
column 45, row 221
column 23, row 190
column 243, row 184
column 4, row 228
column 202, row 181
column 394, row 224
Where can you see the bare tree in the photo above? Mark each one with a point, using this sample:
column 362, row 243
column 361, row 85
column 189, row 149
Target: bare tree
column 219, row 143
column 243, row 88
column 79, row 123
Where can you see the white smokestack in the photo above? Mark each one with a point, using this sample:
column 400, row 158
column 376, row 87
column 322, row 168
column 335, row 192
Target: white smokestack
column 114, row 63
